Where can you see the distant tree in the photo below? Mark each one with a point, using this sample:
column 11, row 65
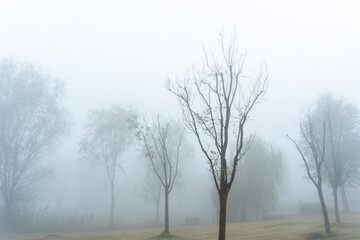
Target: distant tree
column 107, row 136
column 216, row 105
column 311, row 148
column 255, row 190
column 152, row 191
column 32, row 121
column 164, row 146
column 342, row 157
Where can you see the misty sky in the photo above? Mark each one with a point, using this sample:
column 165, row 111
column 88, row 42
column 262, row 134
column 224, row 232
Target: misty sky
column 123, row 51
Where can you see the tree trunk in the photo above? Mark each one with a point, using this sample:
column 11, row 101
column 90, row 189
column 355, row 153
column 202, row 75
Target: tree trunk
column 222, row 215
column 324, row 210
column 344, row 199
column 112, row 206
column 166, row 230
column 336, row 205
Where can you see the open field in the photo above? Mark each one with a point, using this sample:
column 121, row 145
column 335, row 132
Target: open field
column 289, row 228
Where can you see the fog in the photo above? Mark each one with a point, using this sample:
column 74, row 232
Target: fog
column 122, row 52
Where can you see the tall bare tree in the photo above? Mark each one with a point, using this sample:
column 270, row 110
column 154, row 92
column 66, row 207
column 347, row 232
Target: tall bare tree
column 164, row 147
column 311, row 148
column 32, row 121
column 107, row 136
column 216, row 104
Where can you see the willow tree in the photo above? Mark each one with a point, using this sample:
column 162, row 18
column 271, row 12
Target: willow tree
column 255, row 189
column 216, row 104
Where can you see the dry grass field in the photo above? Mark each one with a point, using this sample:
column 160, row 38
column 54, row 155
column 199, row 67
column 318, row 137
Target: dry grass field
column 289, row 228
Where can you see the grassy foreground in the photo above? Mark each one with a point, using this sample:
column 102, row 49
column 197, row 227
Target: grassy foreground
column 289, row 228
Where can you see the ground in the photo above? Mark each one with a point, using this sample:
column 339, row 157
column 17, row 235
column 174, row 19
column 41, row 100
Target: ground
column 286, row 228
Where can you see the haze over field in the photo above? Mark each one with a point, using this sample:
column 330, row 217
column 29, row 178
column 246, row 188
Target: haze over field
column 123, row 52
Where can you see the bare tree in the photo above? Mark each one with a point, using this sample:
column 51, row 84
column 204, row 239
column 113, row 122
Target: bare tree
column 312, row 151
column 164, row 147
column 216, row 104
column 342, row 163
column 32, row 120
column 107, row 136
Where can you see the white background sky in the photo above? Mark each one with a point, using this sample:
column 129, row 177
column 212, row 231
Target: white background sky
column 123, row 51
